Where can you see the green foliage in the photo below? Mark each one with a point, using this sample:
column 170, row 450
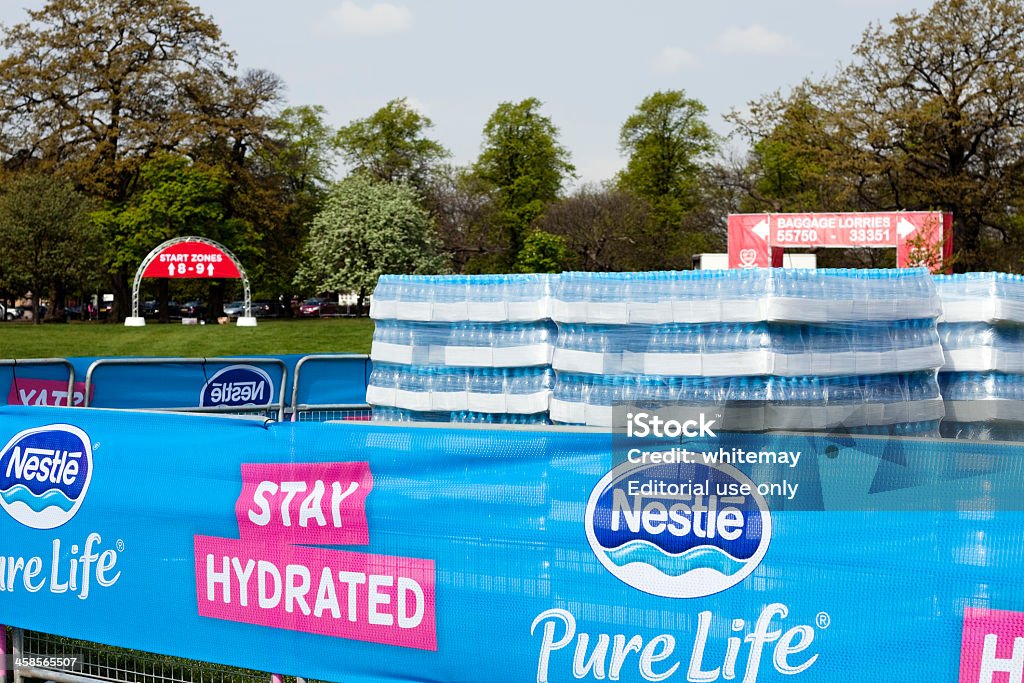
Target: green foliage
column 797, row 163
column 391, row 145
column 667, row 140
column 96, row 86
column 543, row 253
column 524, row 165
column 668, row 144
column 368, row 228
column 299, row 148
column 280, row 186
column 47, row 239
column 175, row 198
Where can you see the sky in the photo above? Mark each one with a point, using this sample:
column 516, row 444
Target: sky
column 590, row 62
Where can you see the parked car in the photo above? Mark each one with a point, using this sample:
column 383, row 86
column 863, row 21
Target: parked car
column 234, row 309
column 151, row 309
column 193, row 309
column 25, row 312
column 5, row 312
column 318, row 308
column 268, row 308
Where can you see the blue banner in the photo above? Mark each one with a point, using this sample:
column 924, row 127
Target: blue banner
column 368, row 552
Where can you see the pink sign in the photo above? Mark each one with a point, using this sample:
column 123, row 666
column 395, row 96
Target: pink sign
column 358, row 596
column 321, row 503
column 45, row 392
column 920, row 237
column 192, row 260
column 992, row 649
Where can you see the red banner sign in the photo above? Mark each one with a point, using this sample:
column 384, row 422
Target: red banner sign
column 756, row 240
column 192, row 260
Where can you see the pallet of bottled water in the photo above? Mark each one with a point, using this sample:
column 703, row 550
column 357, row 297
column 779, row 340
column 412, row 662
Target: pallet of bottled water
column 748, row 349
column 983, row 396
column 756, row 403
column 981, row 297
column 467, row 344
column 744, row 295
column 452, row 298
column 982, row 346
column 484, row 390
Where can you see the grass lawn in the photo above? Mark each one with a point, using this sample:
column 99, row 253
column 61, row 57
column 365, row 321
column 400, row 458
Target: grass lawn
column 24, row 340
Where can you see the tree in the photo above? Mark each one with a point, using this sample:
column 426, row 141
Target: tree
column 604, row 229
column 299, row 148
column 542, row 253
column 930, row 115
column 286, row 181
column 667, row 140
column 668, row 144
column 365, row 229
column 48, row 242
column 391, row 145
column 524, row 165
column 95, row 88
column 467, row 220
column 799, row 158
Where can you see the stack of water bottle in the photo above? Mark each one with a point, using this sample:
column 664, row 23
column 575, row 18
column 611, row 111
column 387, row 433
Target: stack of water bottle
column 460, row 348
column 982, row 333
column 777, row 349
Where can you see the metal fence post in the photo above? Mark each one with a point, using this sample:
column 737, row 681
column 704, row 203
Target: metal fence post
column 15, row 363
column 18, row 649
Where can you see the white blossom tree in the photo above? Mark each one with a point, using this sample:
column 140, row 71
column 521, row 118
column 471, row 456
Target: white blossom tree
column 368, row 228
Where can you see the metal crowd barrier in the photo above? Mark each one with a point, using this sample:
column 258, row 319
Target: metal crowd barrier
column 295, row 411
column 321, row 412
column 90, row 373
column 15, row 363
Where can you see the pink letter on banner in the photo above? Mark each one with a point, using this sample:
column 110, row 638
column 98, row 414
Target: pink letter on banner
column 320, row 503
column 358, row 596
column 992, row 649
column 45, row 392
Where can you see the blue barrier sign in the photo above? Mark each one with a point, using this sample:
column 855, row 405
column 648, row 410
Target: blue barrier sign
column 325, row 380
column 368, row 552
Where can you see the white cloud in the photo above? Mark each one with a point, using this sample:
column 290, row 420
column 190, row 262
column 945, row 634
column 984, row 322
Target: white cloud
column 377, row 19
column 754, row 40
column 672, row 59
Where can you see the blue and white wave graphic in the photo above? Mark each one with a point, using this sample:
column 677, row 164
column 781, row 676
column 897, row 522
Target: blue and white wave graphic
column 20, row 493
column 702, row 557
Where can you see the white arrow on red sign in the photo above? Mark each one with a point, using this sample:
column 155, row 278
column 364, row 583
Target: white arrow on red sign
column 904, row 228
column 761, row 229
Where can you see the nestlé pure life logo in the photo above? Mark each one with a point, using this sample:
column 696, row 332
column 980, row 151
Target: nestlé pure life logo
column 237, row 385
column 678, row 530
column 45, row 474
